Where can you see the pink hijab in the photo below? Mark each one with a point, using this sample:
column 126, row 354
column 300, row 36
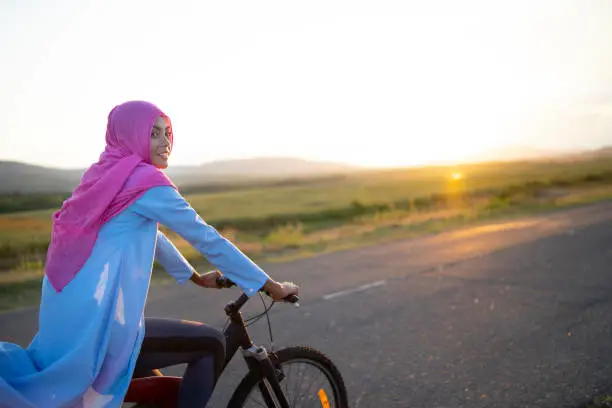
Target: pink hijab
column 122, row 174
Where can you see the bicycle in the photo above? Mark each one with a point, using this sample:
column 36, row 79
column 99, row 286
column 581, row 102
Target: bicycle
column 268, row 381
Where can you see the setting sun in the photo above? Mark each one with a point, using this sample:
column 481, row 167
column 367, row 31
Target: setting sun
column 457, row 176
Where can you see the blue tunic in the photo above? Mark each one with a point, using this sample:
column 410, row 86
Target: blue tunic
column 90, row 333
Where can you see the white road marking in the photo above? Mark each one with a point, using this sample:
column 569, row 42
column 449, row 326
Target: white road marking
column 358, row 289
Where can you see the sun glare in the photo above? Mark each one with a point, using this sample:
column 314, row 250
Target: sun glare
column 457, row 176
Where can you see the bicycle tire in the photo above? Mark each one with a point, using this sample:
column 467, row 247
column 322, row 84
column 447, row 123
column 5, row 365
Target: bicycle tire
column 287, row 355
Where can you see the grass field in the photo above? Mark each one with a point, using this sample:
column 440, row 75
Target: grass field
column 281, row 221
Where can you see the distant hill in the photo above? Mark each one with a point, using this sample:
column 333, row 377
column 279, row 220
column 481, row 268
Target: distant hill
column 273, row 167
column 25, row 178
column 604, row 153
column 258, row 168
column 514, row 153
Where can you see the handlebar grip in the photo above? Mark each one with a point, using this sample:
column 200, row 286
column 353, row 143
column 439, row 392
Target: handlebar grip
column 292, row 299
column 224, row 282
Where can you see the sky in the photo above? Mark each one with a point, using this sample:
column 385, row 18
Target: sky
column 373, row 83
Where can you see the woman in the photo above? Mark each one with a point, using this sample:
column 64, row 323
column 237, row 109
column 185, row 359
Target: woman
column 104, row 240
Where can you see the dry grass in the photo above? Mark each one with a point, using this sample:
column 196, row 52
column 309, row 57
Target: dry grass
column 24, row 227
column 585, row 195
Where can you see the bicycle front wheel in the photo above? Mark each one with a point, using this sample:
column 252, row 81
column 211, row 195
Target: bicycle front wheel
column 310, row 380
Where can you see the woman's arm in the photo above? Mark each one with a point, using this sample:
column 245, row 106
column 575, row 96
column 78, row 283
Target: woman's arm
column 166, row 206
column 172, row 260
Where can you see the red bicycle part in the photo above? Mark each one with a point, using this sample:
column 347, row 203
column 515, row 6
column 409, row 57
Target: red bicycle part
column 160, row 390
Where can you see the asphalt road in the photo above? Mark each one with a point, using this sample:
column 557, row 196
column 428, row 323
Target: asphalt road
column 515, row 314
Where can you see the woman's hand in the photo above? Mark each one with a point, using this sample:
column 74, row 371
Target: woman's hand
column 278, row 291
column 206, row 280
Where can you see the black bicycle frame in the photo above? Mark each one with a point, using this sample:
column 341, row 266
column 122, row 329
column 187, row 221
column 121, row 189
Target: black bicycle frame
column 257, row 358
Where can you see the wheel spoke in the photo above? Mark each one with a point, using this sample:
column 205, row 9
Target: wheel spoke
column 304, row 391
column 304, row 369
column 297, row 391
column 309, row 390
column 285, row 382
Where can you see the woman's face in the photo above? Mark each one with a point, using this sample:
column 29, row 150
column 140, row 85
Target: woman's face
column 160, row 143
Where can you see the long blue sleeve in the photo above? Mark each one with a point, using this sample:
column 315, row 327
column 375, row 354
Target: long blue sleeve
column 166, row 206
column 172, row 260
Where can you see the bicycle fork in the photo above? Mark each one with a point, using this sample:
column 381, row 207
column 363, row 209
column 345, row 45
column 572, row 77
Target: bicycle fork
column 258, row 359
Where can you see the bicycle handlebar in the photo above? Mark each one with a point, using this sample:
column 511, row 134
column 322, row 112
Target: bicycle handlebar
column 225, row 282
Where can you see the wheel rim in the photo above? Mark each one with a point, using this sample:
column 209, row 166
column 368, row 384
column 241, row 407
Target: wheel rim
column 307, row 384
